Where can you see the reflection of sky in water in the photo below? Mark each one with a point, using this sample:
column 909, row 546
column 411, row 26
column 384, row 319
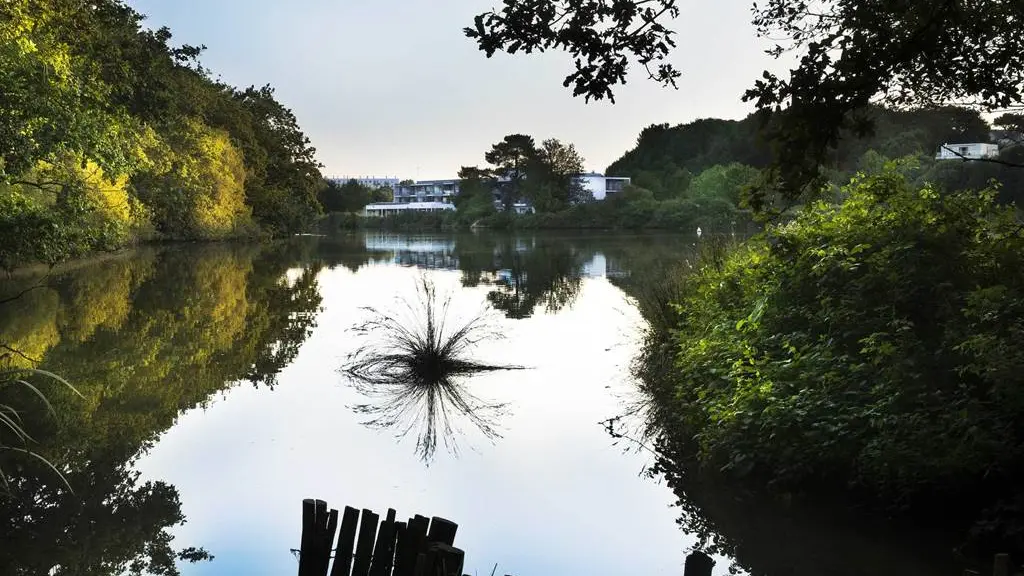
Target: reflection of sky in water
column 553, row 496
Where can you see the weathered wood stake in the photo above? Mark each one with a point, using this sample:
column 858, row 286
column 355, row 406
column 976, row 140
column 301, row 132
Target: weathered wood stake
column 698, row 564
column 364, row 547
column 442, row 530
column 346, row 540
column 1001, row 565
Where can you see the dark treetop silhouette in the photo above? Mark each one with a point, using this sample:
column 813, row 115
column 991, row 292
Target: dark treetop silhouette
column 906, row 53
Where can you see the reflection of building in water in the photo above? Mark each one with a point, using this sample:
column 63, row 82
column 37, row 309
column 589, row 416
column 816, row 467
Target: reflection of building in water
column 386, row 241
column 439, row 253
column 428, row 260
column 614, row 268
column 422, row 251
column 596, row 267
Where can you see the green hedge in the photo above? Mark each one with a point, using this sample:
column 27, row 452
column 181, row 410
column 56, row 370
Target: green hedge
column 633, row 214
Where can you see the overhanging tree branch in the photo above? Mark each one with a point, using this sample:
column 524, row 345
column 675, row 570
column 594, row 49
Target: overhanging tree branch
column 18, row 353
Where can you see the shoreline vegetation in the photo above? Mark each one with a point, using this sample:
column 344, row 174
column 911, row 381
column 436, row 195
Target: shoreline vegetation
column 865, row 351
column 116, row 137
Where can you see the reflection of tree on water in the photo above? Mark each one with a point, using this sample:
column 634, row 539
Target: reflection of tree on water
column 414, row 367
column 526, row 274
column 110, row 524
column 143, row 338
column 765, row 534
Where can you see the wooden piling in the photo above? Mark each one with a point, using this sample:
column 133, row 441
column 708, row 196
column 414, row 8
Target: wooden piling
column 308, row 531
column 384, row 551
column 318, row 526
column 410, row 545
column 364, row 546
column 325, row 542
column 444, row 560
column 1001, row 565
column 698, row 564
column 346, row 540
column 442, row 530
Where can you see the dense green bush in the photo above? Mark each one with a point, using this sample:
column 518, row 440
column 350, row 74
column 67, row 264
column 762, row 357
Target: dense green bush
column 412, row 220
column 874, row 343
column 636, row 210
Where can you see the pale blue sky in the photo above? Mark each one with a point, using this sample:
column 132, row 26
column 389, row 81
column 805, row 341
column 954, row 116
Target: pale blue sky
column 392, row 87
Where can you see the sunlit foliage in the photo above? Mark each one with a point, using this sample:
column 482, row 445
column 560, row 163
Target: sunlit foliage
column 110, row 132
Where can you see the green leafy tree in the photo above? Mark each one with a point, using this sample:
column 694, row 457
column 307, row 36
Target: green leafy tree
column 197, row 185
column 551, row 183
column 725, row 182
column 87, row 85
column 475, row 199
column 511, row 158
column 352, row 196
column 284, row 196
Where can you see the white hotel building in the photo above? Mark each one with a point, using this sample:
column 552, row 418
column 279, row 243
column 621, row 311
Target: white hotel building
column 437, row 195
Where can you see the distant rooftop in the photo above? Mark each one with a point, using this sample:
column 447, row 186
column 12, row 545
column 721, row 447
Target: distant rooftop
column 427, row 182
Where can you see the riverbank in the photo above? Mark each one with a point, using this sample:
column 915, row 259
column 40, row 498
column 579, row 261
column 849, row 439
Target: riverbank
column 865, row 351
column 613, row 214
column 38, row 269
column 88, row 258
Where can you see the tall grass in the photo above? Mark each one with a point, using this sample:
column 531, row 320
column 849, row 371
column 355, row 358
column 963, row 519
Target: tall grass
column 414, row 365
column 12, row 424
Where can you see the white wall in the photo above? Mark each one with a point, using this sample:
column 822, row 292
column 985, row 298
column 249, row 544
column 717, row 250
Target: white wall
column 595, row 184
column 972, row 150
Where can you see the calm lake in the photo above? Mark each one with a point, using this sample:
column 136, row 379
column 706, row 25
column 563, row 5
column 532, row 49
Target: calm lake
column 211, row 389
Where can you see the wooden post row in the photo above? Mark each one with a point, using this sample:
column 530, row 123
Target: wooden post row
column 420, row 547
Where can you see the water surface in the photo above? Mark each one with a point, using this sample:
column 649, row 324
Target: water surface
column 214, row 370
column 211, row 393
